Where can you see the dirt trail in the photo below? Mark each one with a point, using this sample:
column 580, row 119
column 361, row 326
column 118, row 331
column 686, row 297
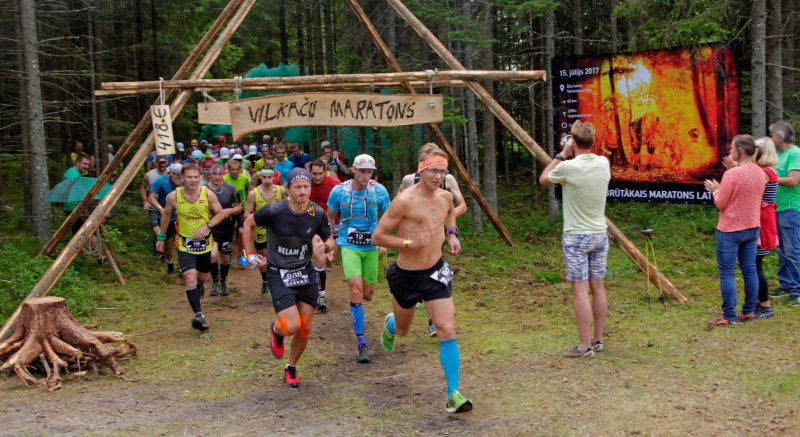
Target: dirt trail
column 338, row 396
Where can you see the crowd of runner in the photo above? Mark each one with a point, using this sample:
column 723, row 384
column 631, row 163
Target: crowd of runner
column 285, row 214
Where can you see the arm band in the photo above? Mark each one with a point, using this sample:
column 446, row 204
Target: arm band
column 407, row 243
column 161, row 237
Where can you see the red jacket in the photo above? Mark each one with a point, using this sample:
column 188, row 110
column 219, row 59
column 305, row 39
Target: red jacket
column 321, row 192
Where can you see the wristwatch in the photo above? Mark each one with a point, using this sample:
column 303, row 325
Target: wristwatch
column 209, row 225
column 559, row 156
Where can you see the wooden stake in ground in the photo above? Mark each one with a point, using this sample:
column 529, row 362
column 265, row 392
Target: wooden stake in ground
column 49, row 338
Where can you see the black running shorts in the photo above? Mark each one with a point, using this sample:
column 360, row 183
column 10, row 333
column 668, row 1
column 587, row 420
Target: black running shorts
column 284, row 297
column 223, row 235
column 261, row 246
column 412, row 286
column 76, row 227
column 155, row 217
column 188, row 261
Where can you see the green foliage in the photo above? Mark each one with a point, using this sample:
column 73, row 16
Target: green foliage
column 681, row 22
column 20, row 271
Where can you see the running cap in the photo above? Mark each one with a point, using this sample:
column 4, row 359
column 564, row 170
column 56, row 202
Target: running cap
column 161, row 158
column 221, row 138
column 298, row 174
column 179, row 146
column 364, row 162
column 197, row 155
column 253, row 150
column 207, row 163
column 204, row 142
column 224, row 153
column 237, row 157
column 175, row 168
column 325, row 143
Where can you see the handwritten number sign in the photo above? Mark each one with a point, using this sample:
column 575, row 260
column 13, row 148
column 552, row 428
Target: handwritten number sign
column 162, row 129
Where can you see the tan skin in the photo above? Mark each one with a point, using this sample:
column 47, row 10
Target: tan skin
column 268, row 192
column 359, row 290
column 175, row 178
column 585, row 310
column 235, row 170
column 191, row 191
column 452, row 187
column 420, row 213
column 161, row 168
column 299, row 192
column 215, row 182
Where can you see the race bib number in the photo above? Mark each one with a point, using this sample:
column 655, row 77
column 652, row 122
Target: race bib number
column 444, row 274
column 195, row 245
column 359, row 237
column 336, row 231
column 294, row 277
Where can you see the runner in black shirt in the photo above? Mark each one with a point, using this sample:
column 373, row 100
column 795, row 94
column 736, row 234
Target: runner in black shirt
column 296, row 229
column 231, row 204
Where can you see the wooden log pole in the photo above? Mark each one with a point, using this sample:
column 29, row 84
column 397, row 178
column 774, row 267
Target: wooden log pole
column 137, row 132
column 307, row 87
column 525, row 75
column 65, row 258
column 113, row 262
column 614, row 233
column 440, row 138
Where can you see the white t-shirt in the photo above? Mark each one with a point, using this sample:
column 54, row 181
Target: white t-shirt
column 585, row 184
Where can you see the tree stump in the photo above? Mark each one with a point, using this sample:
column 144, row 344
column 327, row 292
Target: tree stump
column 49, row 338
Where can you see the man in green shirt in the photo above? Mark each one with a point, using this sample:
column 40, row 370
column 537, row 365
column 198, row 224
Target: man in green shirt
column 787, row 203
column 241, row 182
column 79, row 169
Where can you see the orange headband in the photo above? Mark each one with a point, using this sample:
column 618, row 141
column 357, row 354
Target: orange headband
column 430, row 162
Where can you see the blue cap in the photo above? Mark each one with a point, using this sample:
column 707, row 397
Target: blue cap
column 196, row 154
column 298, row 174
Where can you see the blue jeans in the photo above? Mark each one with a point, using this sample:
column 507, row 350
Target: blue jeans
column 789, row 251
column 730, row 245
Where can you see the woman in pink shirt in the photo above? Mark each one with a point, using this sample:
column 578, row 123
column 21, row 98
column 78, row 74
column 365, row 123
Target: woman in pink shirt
column 738, row 198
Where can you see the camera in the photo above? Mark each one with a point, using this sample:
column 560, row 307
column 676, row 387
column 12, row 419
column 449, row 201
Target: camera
column 565, row 139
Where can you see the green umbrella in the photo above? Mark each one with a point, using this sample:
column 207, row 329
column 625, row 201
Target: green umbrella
column 73, row 190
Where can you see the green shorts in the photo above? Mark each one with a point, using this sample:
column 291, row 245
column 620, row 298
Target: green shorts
column 362, row 263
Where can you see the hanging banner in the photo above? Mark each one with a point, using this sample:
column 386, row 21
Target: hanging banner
column 213, row 113
column 664, row 118
column 162, row 128
column 333, row 109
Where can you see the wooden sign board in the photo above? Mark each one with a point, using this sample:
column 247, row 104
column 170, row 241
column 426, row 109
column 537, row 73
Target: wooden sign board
column 162, row 128
column 213, row 113
column 333, row 109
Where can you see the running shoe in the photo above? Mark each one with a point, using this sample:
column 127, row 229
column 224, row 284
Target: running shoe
column 457, row 403
column 745, row 318
column 214, row 288
column 275, row 342
column 577, row 352
column 363, row 354
column 431, row 328
column 199, row 322
column 264, row 289
column 322, row 303
column 170, row 268
column 764, row 313
column 223, row 289
column 778, row 292
column 794, row 301
column 292, row 380
column 201, row 289
column 163, row 258
column 597, row 346
column 387, row 339
column 721, row 322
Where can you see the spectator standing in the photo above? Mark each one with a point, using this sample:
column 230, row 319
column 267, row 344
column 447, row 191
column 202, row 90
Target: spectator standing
column 766, row 158
column 787, row 207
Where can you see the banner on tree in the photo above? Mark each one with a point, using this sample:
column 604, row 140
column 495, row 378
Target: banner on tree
column 664, row 118
column 332, row 109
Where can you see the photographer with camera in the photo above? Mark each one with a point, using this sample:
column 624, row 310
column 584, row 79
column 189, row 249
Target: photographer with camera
column 584, row 182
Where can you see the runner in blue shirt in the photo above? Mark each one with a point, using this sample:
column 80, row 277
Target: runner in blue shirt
column 159, row 190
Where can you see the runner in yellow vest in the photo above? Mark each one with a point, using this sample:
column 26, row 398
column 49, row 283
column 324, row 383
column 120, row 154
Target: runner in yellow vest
column 194, row 220
column 241, row 182
column 263, row 193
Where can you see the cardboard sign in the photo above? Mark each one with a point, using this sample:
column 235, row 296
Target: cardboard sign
column 213, row 113
column 162, row 128
column 333, row 109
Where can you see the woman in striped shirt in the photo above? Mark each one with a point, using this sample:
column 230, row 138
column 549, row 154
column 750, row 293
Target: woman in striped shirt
column 766, row 158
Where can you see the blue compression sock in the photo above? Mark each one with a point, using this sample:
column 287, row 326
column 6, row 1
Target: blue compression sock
column 449, row 357
column 390, row 325
column 357, row 314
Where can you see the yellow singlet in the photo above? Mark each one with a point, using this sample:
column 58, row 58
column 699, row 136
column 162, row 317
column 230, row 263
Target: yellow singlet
column 261, row 233
column 190, row 216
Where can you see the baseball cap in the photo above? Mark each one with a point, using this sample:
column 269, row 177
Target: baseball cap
column 175, row 168
column 161, row 158
column 364, row 162
column 204, row 142
column 236, row 157
column 253, row 150
column 207, row 163
column 179, row 146
column 221, row 138
column 224, row 153
column 325, row 143
column 197, row 155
